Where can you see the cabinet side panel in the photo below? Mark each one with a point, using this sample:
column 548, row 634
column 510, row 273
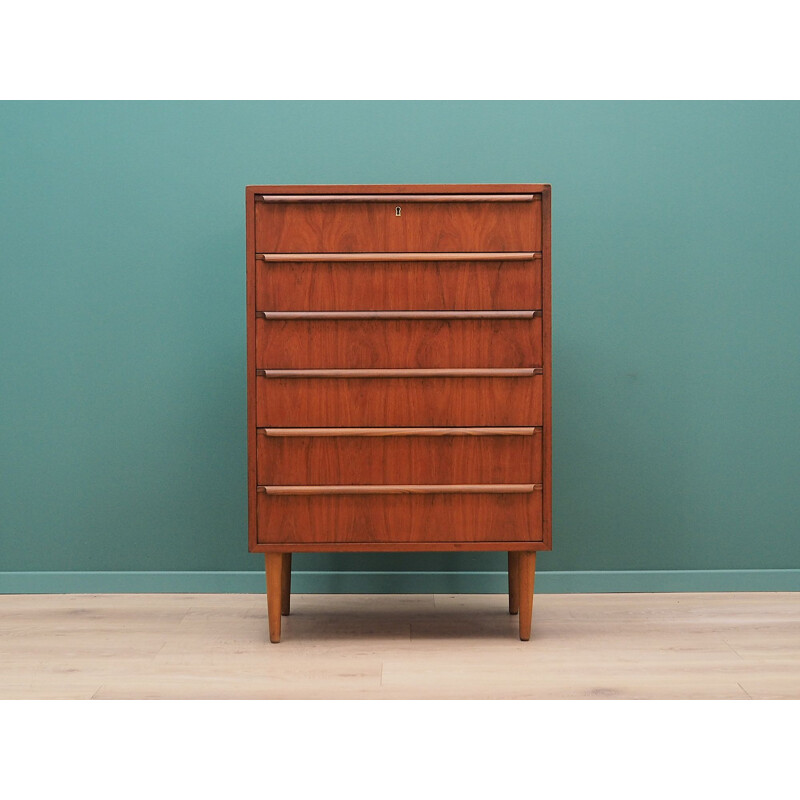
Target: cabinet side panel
column 547, row 383
column 250, row 310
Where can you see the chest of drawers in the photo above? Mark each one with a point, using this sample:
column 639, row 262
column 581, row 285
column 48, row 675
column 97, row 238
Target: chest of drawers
column 398, row 375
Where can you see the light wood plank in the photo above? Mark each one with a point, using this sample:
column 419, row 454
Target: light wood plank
column 604, row 646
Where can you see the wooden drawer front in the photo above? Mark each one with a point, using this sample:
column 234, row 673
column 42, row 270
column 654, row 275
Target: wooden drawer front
column 398, row 401
column 398, row 285
column 399, row 518
column 336, row 226
column 298, row 343
column 395, row 456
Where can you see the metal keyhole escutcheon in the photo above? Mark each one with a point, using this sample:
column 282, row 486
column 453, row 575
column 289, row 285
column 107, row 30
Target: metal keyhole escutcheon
column 397, row 211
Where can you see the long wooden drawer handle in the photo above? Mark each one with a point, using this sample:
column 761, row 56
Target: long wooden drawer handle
column 290, row 432
column 398, row 198
column 511, row 256
column 476, row 488
column 333, row 315
column 399, row 373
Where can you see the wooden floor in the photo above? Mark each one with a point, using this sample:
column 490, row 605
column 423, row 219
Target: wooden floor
column 737, row 646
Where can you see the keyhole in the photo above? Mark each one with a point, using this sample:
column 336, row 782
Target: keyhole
column 397, row 211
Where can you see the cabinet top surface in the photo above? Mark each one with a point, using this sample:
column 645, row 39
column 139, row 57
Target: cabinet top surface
column 401, row 188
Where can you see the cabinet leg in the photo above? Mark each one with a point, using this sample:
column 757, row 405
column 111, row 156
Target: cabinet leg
column 274, row 568
column 286, row 582
column 513, row 582
column 527, row 573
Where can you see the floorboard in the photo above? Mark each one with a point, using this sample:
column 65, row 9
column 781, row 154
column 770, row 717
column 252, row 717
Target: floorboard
column 601, row 646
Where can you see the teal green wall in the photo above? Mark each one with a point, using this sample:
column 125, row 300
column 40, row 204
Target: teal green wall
column 676, row 291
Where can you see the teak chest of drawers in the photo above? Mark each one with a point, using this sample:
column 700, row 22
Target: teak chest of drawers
column 398, row 375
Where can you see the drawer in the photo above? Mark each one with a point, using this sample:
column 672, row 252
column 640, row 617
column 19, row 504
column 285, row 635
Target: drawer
column 406, row 398
column 493, row 285
column 370, row 223
column 327, row 456
column 306, row 340
column 440, row 517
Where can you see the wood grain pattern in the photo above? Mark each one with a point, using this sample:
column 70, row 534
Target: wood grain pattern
column 389, row 459
column 381, row 343
column 373, row 227
column 402, row 285
column 289, row 520
column 398, row 402
column 327, row 266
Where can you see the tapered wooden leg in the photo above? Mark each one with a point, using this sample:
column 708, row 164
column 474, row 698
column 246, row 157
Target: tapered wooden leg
column 513, row 582
column 527, row 573
column 286, row 582
column 274, row 567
